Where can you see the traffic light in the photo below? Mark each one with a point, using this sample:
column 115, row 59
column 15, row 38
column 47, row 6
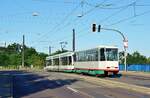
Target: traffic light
column 94, row 27
column 99, row 28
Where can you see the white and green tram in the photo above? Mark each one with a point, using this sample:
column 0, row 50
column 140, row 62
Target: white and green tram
column 60, row 62
column 95, row 61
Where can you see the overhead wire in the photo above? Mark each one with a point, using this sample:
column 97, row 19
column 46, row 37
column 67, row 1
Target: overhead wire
column 57, row 2
column 84, row 28
column 90, row 10
column 128, row 18
column 60, row 23
column 122, row 8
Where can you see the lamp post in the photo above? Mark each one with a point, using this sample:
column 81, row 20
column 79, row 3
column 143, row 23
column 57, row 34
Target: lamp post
column 125, row 41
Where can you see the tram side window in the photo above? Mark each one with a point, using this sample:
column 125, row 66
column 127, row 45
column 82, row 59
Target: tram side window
column 64, row 60
column 102, row 54
column 81, row 56
column 70, row 60
column 89, row 55
column 92, row 55
column 75, row 57
column 50, row 62
column 56, row 61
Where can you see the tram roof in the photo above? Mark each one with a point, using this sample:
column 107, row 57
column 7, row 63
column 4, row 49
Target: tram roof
column 70, row 53
column 107, row 46
column 100, row 46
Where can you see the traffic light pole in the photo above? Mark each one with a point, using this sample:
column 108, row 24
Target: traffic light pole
column 73, row 40
column 23, row 41
column 124, row 40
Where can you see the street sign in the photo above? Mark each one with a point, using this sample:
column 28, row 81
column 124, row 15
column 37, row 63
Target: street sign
column 125, row 43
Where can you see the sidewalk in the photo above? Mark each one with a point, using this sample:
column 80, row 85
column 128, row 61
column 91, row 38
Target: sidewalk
column 145, row 74
column 5, row 86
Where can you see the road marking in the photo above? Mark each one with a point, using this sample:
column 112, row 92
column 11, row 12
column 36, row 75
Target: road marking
column 74, row 90
column 51, row 78
column 58, row 82
column 112, row 84
column 79, row 92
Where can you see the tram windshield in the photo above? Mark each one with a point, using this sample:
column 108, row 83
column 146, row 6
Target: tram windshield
column 109, row 54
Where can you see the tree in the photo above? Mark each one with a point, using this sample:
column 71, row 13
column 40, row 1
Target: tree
column 4, row 59
column 148, row 60
column 14, row 48
column 36, row 61
column 15, row 59
column 134, row 58
column 11, row 55
column 58, row 52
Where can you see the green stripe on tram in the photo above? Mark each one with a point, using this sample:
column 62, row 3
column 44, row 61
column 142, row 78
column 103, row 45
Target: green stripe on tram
column 91, row 72
column 68, row 71
column 95, row 72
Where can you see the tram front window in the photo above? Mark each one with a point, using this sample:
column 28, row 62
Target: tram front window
column 111, row 54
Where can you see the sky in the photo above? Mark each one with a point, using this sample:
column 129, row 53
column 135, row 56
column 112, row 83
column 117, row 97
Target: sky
column 57, row 18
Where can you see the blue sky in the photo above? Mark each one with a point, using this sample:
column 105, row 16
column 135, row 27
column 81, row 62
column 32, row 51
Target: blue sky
column 57, row 18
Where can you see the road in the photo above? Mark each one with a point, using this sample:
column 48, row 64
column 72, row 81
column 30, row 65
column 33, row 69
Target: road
column 132, row 79
column 60, row 85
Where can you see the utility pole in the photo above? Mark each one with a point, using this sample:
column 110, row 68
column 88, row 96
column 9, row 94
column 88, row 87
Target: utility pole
column 5, row 44
column 73, row 41
column 50, row 50
column 23, row 42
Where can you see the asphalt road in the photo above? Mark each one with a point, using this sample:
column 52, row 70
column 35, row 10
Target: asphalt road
column 132, row 79
column 58, row 85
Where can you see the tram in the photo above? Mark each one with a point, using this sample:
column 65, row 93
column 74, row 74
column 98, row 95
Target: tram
column 95, row 61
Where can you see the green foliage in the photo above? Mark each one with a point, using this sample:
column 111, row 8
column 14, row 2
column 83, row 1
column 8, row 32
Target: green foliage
column 58, row 52
column 134, row 58
column 15, row 59
column 13, row 48
column 4, row 59
column 11, row 56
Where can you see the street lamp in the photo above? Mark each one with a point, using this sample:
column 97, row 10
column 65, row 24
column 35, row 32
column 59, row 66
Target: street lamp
column 35, row 14
column 125, row 41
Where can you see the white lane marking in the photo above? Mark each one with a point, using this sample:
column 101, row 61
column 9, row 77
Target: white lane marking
column 80, row 92
column 51, row 78
column 58, row 82
column 74, row 90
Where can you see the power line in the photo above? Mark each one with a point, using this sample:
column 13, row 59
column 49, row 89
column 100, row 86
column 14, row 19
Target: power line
column 57, row 2
column 59, row 24
column 116, row 13
column 84, row 14
column 128, row 18
column 94, row 8
column 123, row 8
